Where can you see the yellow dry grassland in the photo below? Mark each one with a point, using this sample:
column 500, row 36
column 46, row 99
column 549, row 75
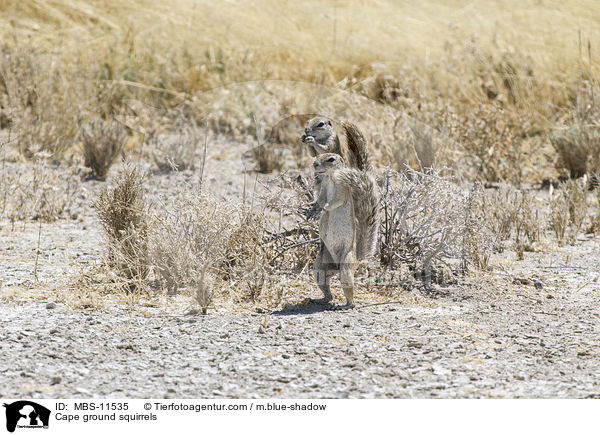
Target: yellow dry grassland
column 509, row 89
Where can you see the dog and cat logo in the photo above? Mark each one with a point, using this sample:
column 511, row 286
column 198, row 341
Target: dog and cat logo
column 26, row 414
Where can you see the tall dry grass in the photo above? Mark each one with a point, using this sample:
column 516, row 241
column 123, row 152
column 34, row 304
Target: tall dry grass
column 527, row 62
column 479, row 87
column 521, row 51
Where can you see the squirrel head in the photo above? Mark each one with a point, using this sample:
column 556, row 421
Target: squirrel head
column 319, row 130
column 327, row 162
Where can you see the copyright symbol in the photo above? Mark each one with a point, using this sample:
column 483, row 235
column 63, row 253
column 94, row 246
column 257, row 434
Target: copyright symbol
column 147, row 406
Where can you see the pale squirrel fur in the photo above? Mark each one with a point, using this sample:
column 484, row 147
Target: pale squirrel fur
column 349, row 200
column 320, row 136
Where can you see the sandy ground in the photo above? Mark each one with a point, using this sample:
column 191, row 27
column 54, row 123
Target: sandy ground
column 529, row 328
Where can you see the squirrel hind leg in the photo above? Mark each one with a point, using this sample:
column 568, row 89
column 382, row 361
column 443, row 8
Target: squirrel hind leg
column 324, row 269
column 347, row 269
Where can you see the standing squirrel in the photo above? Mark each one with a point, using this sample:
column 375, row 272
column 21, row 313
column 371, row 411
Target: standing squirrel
column 348, row 199
column 320, row 135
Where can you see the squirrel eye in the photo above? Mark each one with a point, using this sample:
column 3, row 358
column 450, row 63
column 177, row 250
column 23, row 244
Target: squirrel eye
column 331, row 159
column 320, row 124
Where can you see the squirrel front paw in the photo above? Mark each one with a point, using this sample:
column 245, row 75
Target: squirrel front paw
column 314, row 211
column 307, row 139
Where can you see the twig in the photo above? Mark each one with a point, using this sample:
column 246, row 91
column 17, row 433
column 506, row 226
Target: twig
column 563, row 267
column 204, row 155
column 3, row 167
column 37, row 252
column 292, row 232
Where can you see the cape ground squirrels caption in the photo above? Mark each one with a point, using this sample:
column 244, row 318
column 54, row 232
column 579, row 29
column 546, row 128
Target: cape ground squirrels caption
column 348, row 199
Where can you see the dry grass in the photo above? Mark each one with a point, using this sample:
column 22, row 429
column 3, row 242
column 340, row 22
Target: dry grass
column 187, row 241
column 569, row 208
column 578, row 150
column 103, row 142
column 191, row 243
column 484, row 65
column 427, row 221
column 594, row 226
column 124, row 217
column 38, row 191
column 482, row 88
column 512, row 214
column 176, row 151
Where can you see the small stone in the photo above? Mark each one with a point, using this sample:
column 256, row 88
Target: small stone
column 522, row 280
column 538, row 284
column 440, row 371
column 50, row 305
column 55, row 380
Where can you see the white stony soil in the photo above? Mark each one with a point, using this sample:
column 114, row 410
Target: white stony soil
column 491, row 335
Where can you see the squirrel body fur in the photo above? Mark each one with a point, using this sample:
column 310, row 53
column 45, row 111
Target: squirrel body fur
column 348, row 198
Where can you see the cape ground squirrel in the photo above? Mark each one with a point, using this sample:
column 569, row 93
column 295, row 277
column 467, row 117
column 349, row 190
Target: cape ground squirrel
column 320, row 135
column 349, row 201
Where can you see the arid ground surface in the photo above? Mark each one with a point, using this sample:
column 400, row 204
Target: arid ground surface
column 527, row 328
column 151, row 170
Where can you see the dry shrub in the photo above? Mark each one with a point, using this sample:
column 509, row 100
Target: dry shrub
column 578, row 149
column 283, row 146
column 124, row 217
column 387, row 89
column 508, row 213
column 206, row 245
column 103, row 142
column 38, row 190
column 192, row 242
column 188, row 240
column 246, row 263
column 428, row 220
column 177, row 150
column 268, row 158
column 568, row 210
column 477, row 240
column 293, row 238
column 594, row 226
column 44, row 97
column 492, row 140
column 424, row 145
column 585, row 90
column 417, row 145
column 204, row 289
column 175, row 153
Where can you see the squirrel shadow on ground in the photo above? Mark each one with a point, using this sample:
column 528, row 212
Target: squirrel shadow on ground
column 307, row 306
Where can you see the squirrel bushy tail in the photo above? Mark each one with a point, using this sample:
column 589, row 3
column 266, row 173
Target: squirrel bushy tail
column 357, row 147
column 365, row 193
